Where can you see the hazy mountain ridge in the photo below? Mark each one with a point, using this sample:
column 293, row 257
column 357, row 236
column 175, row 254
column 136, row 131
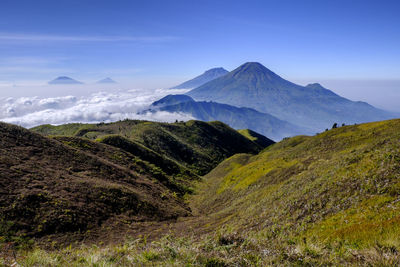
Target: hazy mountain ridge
column 253, row 85
column 64, row 80
column 171, row 100
column 207, row 76
column 238, row 118
column 106, row 80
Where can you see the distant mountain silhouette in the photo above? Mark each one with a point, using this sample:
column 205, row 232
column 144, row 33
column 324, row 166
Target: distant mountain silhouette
column 207, row 76
column 107, row 80
column 313, row 106
column 172, row 100
column 64, row 80
column 238, row 118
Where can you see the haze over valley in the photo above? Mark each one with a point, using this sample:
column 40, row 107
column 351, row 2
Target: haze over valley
column 251, row 85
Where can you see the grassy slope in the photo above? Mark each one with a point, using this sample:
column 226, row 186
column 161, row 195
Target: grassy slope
column 256, row 137
column 330, row 199
column 49, row 187
column 85, row 175
column 339, row 188
column 133, row 156
column 199, row 146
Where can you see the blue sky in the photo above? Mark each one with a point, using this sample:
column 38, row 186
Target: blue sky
column 159, row 43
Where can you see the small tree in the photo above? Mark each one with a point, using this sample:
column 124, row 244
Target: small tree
column 334, row 125
column 343, row 124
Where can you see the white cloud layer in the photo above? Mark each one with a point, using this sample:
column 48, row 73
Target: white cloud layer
column 97, row 107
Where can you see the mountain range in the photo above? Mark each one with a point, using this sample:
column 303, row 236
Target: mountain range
column 207, row 76
column 68, row 80
column 238, row 118
column 254, row 86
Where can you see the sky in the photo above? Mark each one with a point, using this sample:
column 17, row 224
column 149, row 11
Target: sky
column 350, row 47
column 158, row 43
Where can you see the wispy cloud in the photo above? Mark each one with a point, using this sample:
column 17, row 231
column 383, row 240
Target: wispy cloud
column 32, row 69
column 69, row 38
column 27, row 64
column 30, row 60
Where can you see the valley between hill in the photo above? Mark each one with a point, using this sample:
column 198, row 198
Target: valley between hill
column 329, row 199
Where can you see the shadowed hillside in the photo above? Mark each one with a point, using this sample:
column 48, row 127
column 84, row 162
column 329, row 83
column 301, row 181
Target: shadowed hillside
column 197, row 145
column 53, row 186
column 256, row 137
column 85, row 177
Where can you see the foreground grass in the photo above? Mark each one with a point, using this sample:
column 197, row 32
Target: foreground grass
column 229, row 249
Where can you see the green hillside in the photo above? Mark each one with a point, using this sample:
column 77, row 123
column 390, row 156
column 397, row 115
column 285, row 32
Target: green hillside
column 197, row 145
column 82, row 178
column 326, row 200
column 69, row 187
column 256, row 137
column 337, row 192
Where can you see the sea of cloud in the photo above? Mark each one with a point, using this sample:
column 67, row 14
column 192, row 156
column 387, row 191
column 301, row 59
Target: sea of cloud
column 92, row 108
